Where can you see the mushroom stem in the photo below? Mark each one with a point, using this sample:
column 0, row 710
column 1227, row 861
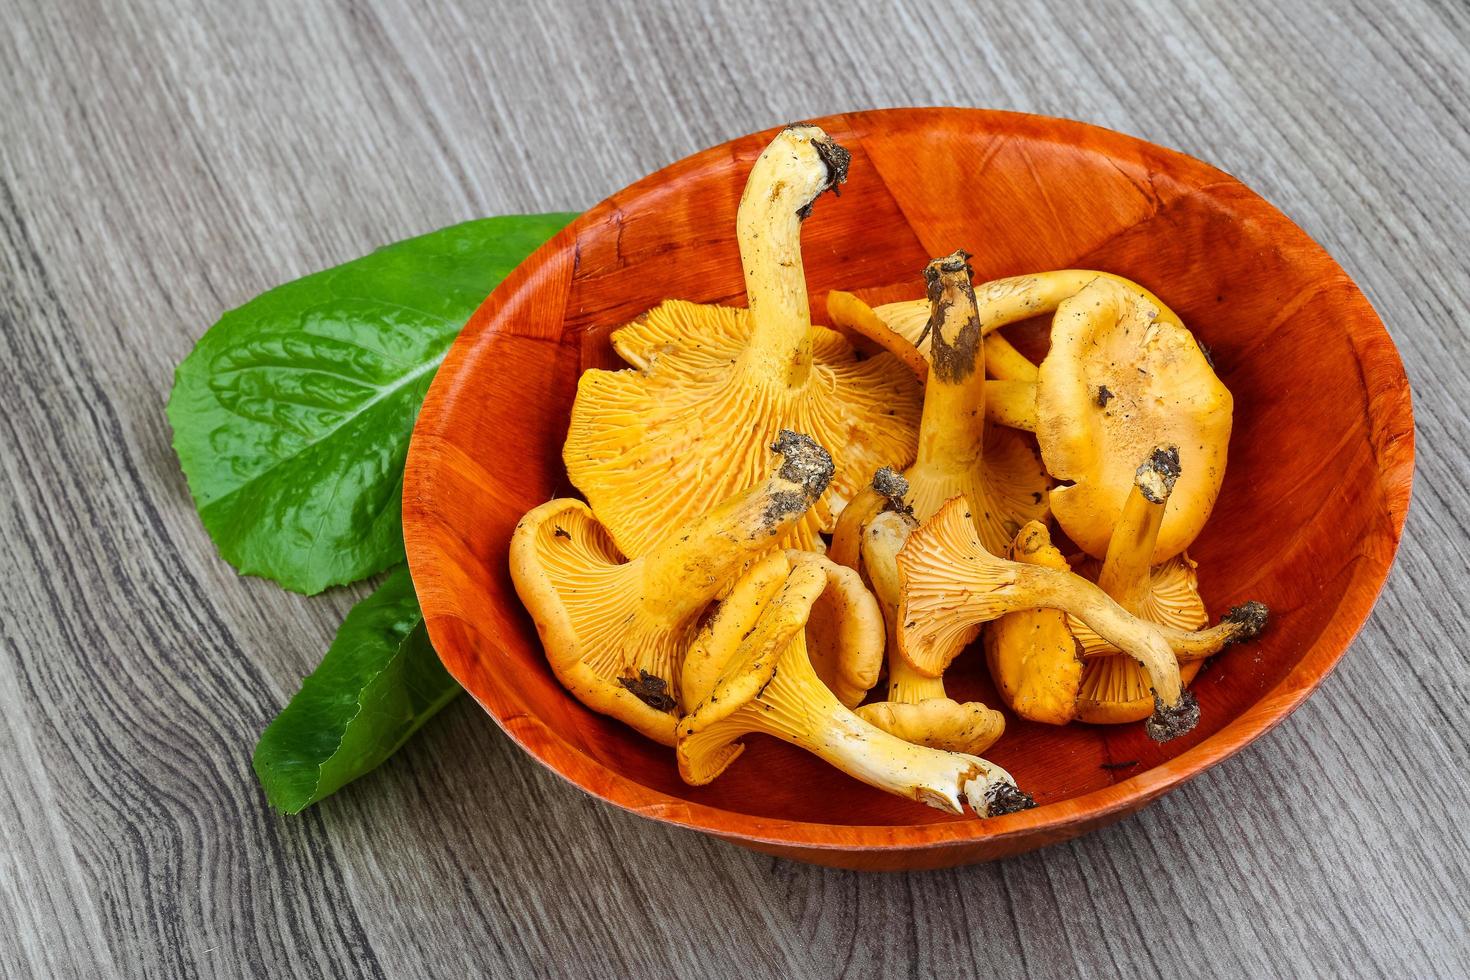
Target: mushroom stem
column 952, row 431
column 796, row 707
column 1125, row 571
column 682, row 575
column 1011, row 403
column 907, row 686
column 883, row 538
column 798, row 165
column 1005, row 363
column 1241, row 624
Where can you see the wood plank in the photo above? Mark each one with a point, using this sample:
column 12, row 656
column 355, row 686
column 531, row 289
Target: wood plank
column 164, row 161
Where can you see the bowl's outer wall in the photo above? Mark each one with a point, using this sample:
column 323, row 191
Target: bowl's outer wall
column 1308, row 521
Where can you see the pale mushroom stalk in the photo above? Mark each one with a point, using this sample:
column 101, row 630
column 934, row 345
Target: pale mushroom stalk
column 952, row 582
column 615, row 631
column 711, row 385
column 952, row 428
column 1001, row 302
column 958, row 454
column 788, row 176
column 917, row 708
column 770, row 687
column 1010, row 388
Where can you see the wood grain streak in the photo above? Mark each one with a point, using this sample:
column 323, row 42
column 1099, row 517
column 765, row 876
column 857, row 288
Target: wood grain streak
column 163, row 161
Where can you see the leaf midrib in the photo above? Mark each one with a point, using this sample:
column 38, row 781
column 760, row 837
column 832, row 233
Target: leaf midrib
column 384, row 393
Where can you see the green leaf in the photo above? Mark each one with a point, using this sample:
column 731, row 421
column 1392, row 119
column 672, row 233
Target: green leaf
column 292, row 415
column 379, row 681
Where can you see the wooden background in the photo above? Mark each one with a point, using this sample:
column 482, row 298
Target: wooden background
column 161, row 162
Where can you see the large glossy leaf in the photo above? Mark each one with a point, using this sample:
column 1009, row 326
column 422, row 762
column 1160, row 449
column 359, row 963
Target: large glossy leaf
column 292, row 415
column 379, row 681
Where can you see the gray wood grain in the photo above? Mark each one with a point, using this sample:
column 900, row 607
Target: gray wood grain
column 161, row 162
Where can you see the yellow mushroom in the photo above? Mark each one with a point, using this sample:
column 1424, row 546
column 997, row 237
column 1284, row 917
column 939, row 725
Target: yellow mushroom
column 917, row 708
column 958, row 453
column 768, row 685
column 615, row 631
column 1112, row 689
column 711, row 385
column 1120, row 379
column 951, row 582
column 1034, row 659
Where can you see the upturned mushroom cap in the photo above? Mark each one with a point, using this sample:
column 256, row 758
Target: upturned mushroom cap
column 768, row 685
column 712, row 385
column 940, row 723
column 845, row 636
column 917, row 709
column 1034, row 660
column 1120, row 379
column 615, row 631
column 951, row 583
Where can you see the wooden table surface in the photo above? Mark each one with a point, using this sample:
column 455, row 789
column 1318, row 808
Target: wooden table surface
column 163, row 161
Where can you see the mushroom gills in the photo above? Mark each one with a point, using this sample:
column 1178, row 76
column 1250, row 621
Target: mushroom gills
column 712, row 385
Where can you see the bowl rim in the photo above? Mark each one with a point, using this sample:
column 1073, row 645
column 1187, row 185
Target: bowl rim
column 1391, row 433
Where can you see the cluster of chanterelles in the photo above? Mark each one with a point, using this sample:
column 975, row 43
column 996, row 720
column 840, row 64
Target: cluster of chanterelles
column 694, row 596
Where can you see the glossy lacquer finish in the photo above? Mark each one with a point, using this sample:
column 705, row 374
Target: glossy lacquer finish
column 1308, row 521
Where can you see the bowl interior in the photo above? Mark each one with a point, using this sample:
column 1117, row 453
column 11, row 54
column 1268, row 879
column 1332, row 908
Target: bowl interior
column 1307, row 521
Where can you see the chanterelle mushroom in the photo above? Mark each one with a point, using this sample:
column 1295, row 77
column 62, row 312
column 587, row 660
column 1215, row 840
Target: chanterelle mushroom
column 1119, row 379
column 958, row 452
column 768, row 685
column 951, row 582
column 713, row 384
column 845, row 636
column 615, row 631
column 1112, row 689
column 1034, row 659
column 917, row 708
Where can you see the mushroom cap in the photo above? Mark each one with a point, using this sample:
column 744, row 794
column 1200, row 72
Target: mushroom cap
column 649, row 447
column 584, row 599
column 940, row 723
column 779, row 631
column 845, row 634
column 729, row 621
column 1116, row 691
column 1033, row 657
column 1121, row 378
column 950, row 583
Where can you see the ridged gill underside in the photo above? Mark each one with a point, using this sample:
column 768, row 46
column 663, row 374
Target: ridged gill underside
column 651, row 446
column 599, row 593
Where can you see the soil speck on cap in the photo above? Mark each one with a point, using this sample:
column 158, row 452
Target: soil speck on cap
column 652, row 691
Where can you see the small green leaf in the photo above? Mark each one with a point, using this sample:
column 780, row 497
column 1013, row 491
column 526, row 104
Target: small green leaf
column 379, row 681
column 292, row 415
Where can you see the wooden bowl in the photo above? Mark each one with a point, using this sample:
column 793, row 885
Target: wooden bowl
column 1308, row 521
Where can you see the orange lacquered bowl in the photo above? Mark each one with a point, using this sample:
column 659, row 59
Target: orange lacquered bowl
column 1309, row 518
